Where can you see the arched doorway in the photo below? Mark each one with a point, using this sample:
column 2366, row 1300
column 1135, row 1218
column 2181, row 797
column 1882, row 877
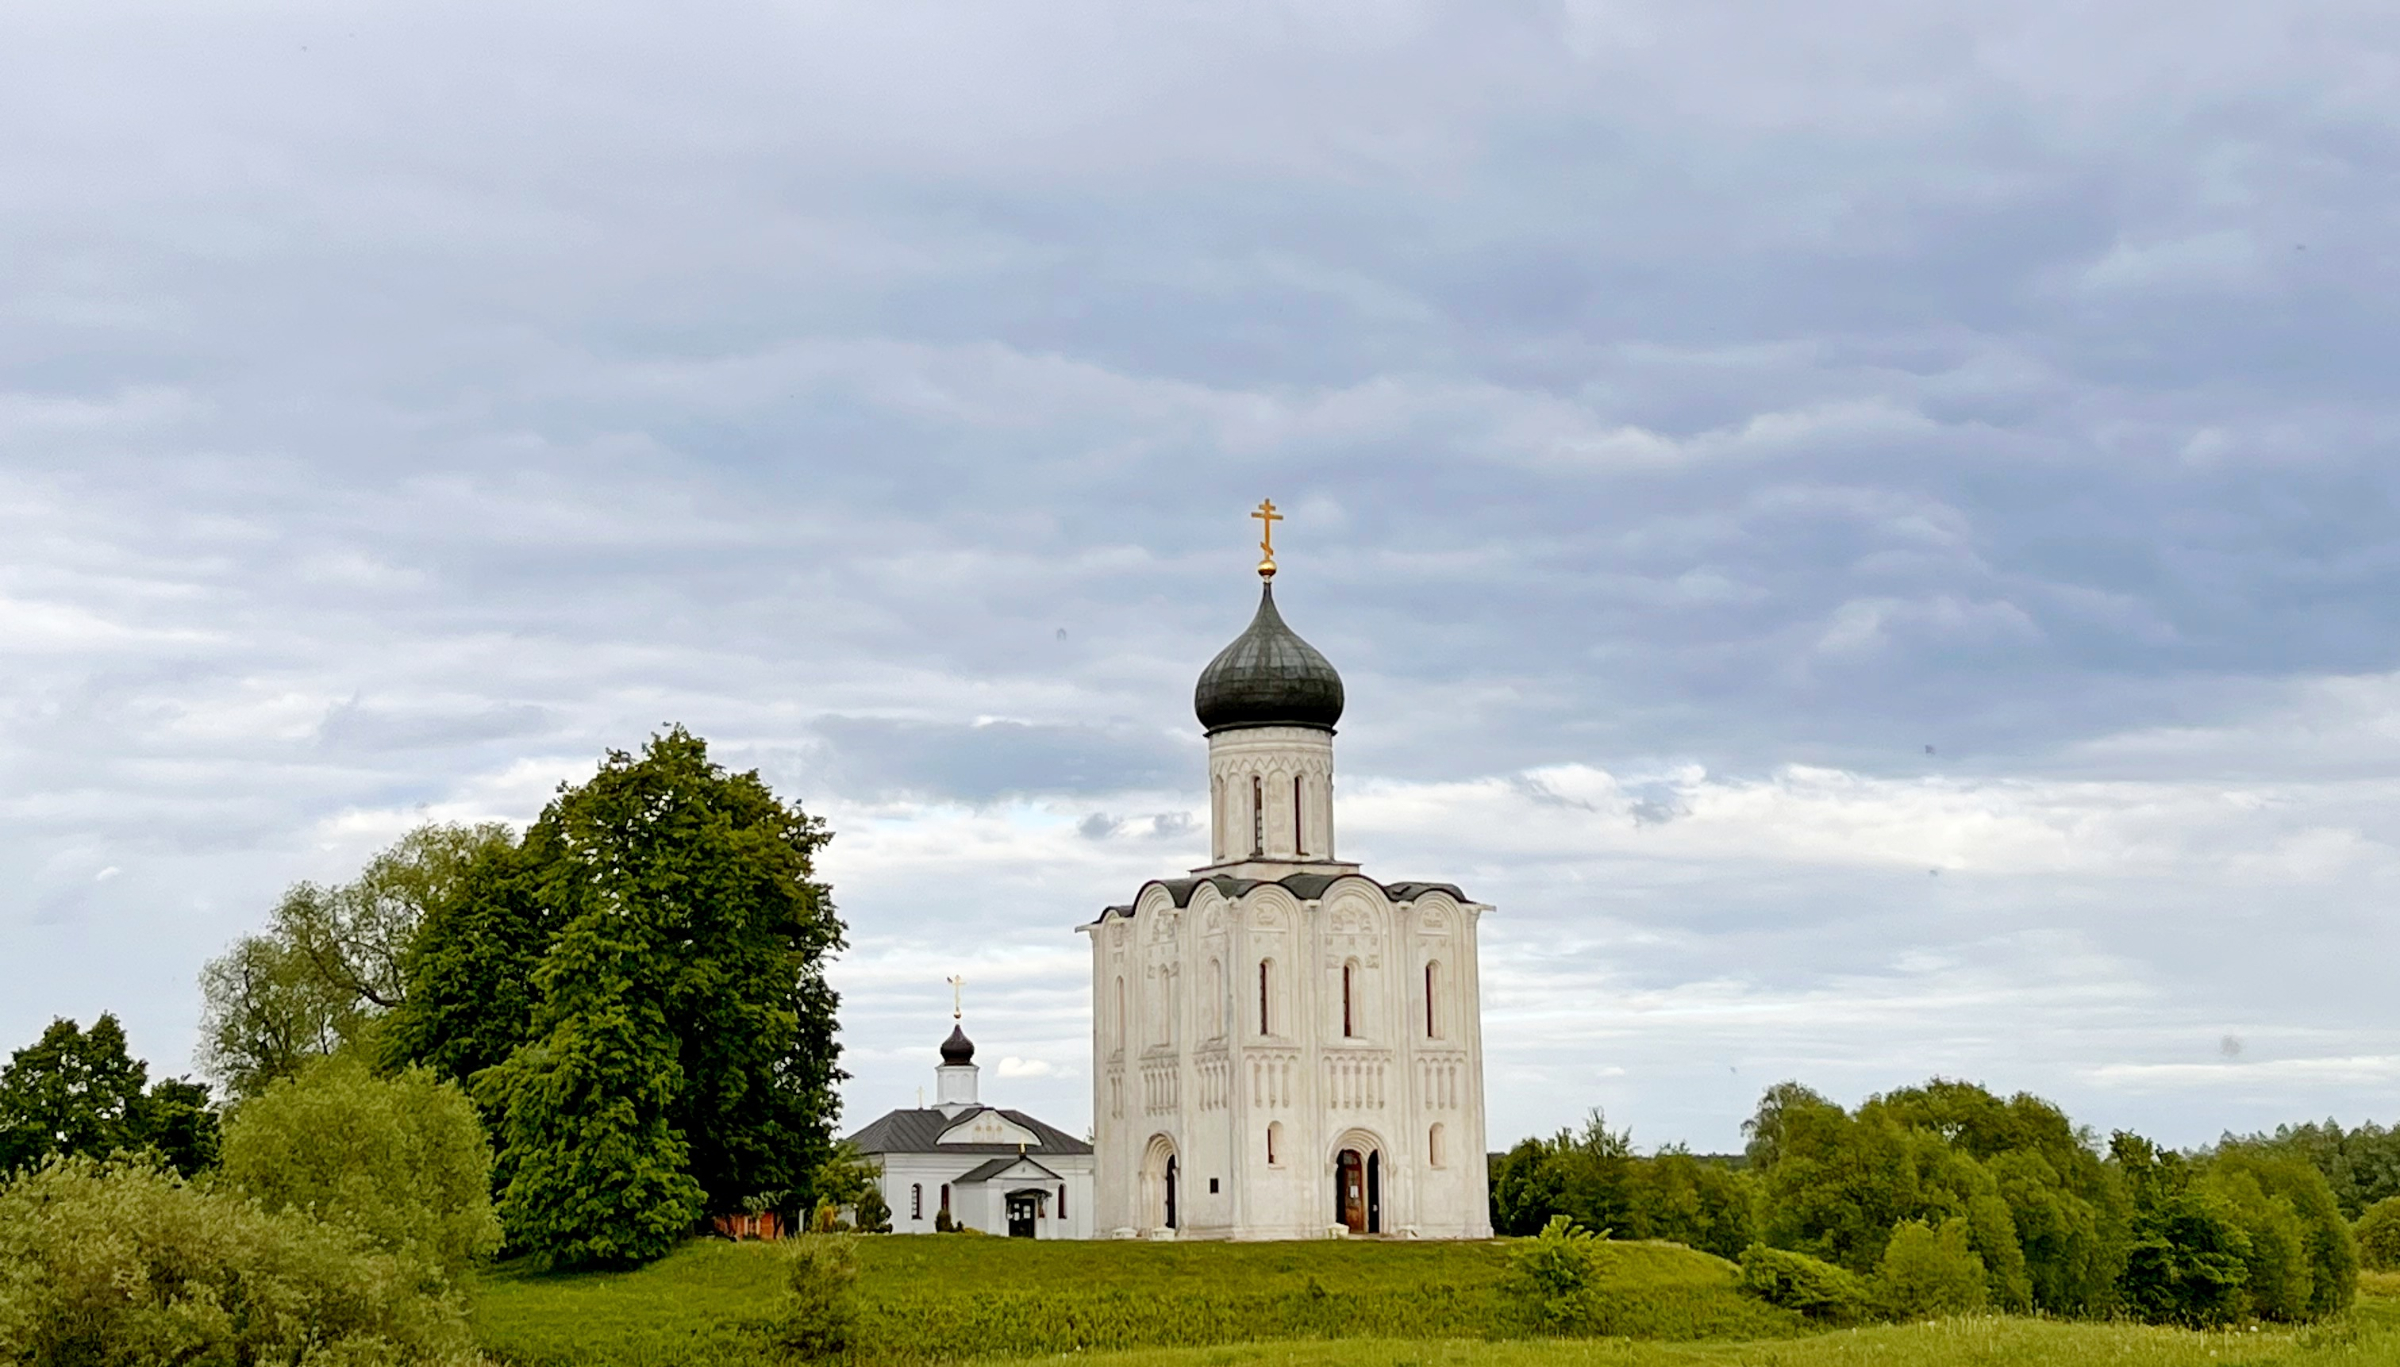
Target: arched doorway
column 1358, row 1186
column 1161, row 1178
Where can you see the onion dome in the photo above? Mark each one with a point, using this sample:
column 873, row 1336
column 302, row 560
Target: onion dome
column 1268, row 677
column 958, row 1050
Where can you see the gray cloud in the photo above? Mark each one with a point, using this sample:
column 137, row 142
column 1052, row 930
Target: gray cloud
column 399, row 407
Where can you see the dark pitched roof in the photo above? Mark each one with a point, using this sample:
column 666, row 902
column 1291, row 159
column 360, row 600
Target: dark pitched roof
column 1306, row 886
column 991, row 1168
column 917, row 1131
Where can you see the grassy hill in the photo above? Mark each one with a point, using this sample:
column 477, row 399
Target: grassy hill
column 931, row 1298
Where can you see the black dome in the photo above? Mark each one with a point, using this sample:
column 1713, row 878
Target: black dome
column 958, row 1048
column 1268, row 677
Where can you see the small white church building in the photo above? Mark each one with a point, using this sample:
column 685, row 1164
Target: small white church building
column 999, row 1171
column 1282, row 1046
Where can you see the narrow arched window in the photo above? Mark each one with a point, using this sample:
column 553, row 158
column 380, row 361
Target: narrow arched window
column 1433, row 1147
column 1258, row 815
column 1299, row 832
column 1274, row 1143
column 1263, row 1020
column 1120, row 1013
column 1216, row 999
column 1217, row 824
column 1433, row 1010
column 916, row 1200
column 1349, row 1019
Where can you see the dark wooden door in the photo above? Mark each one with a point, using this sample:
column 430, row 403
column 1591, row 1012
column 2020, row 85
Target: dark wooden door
column 1350, row 1190
column 1021, row 1213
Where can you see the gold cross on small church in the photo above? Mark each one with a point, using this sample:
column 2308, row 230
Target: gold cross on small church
column 1267, row 518
column 958, row 996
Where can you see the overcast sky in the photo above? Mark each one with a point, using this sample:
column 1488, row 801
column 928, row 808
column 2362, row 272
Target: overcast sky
column 1867, row 531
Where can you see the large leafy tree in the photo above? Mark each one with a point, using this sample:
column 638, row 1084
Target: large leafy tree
column 469, row 995
column 333, row 961
column 678, row 1047
column 2303, row 1258
column 2068, row 1207
column 80, row 1093
column 1835, row 1186
column 2189, row 1259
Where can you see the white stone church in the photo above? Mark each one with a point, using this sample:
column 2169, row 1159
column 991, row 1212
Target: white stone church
column 1283, row 1047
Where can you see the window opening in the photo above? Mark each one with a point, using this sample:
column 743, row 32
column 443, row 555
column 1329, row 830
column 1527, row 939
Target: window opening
column 1299, row 836
column 1432, row 1019
column 1347, row 1022
column 1258, row 815
column 1263, row 965
column 916, row 1200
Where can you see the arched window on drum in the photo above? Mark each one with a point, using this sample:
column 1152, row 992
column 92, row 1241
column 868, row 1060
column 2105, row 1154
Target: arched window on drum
column 1433, row 999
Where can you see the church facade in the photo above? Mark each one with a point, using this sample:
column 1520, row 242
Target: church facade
column 1284, row 1047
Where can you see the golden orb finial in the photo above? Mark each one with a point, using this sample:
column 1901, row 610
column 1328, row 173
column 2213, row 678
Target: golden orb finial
column 1267, row 518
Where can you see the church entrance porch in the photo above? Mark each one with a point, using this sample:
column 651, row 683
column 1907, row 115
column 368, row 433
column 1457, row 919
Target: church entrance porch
column 1358, row 1191
column 1025, row 1209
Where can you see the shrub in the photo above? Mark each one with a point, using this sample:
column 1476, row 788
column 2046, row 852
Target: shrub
column 2378, row 1235
column 122, row 1264
column 1551, row 1275
column 873, row 1212
column 1795, row 1281
column 402, row 1160
column 818, row 1316
column 1927, row 1271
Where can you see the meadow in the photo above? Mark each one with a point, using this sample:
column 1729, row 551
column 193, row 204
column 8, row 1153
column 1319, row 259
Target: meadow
column 1339, row 1304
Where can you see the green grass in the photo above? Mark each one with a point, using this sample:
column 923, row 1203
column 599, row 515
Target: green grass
column 1330, row 1304
column 2370, row 1339
column 931, row 1297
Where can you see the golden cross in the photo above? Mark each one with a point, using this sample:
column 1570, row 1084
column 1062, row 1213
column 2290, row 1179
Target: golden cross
column 958, row 996
column 1267, row 518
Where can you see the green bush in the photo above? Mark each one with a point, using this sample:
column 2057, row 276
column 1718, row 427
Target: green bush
column 402, row 1159
column 124, row 1265
column 1796, row 1281
column 2377, row 1234
column 818, row 1316
column 1552, row 1275
column 1927, row 1272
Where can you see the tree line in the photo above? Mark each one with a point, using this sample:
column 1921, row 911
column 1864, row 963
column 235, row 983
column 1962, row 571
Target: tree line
column 629, row 997
column 1948, row 1197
